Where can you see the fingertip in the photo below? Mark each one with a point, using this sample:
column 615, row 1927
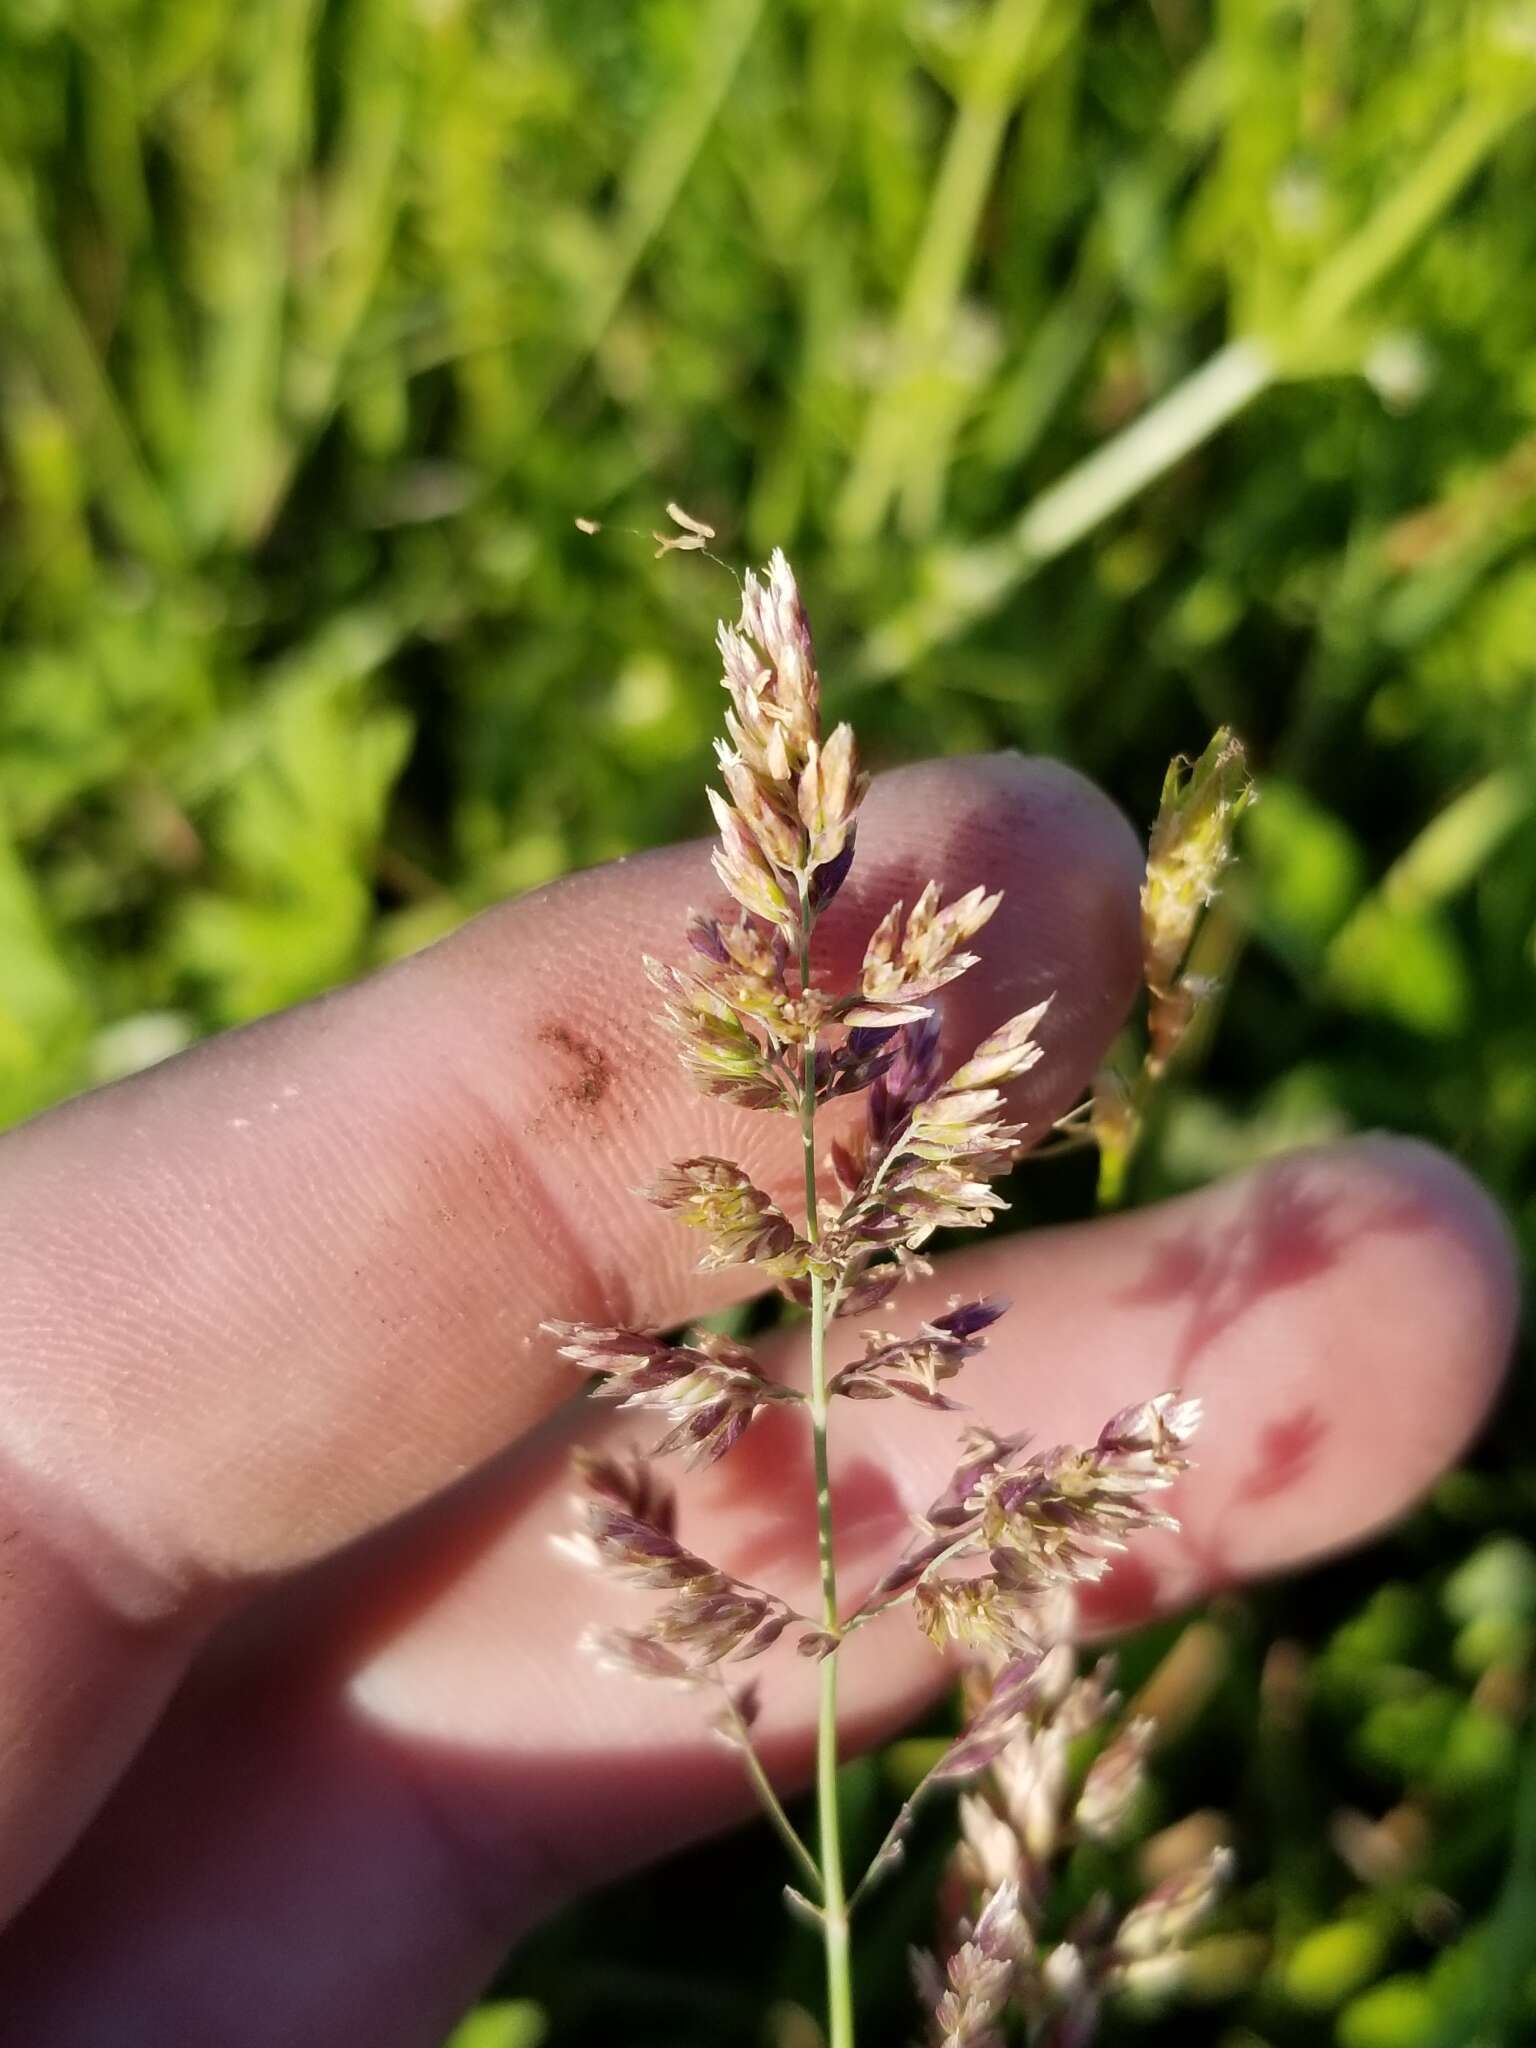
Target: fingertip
column 1460, row 1272
column 1349, row 1337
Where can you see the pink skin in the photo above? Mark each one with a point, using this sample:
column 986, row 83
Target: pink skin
column 282, row 1460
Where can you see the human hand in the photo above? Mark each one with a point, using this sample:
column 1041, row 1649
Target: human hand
column 294, row 1736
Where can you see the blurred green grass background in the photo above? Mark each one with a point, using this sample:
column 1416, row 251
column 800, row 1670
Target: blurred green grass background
column 1109, row 373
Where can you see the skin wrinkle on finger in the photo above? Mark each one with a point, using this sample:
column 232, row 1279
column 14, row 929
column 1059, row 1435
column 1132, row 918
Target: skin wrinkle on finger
column 286, row 1287
column 438, row 1667
column 109, row 1387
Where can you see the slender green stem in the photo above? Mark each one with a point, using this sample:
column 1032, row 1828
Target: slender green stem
column 1113, row 1167
column 834, row 1894
column 771, row 1804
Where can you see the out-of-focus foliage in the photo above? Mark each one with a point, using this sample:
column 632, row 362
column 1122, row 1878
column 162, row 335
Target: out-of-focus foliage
column 501, row 2023
column 322, row 319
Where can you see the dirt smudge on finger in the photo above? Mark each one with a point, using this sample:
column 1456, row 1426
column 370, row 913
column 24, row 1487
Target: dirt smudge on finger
column 585, row 1081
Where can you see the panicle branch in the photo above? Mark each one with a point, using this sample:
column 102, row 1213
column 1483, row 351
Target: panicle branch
column 992, row 1564
column 626, row 1529
column 915, row 1366
column 709, row 1390
column 928, row 1154
column 1016, row 1831
column 1049, row 1522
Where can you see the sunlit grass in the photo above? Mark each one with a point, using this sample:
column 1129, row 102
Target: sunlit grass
column 1110, row 374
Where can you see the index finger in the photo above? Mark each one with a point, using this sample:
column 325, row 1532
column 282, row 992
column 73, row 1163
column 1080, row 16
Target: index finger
column 274, row 1293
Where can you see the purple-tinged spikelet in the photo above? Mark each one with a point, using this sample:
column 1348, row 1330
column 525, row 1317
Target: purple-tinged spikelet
column 742, row 1225
column 969, row 1999
column 709, row 1617
column 709, row 1390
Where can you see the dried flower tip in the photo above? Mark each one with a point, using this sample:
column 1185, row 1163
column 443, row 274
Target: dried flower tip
column 589, row 526
column 1191, row 847
column 687, row 521
column 744, row 1227
column 693, row 537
